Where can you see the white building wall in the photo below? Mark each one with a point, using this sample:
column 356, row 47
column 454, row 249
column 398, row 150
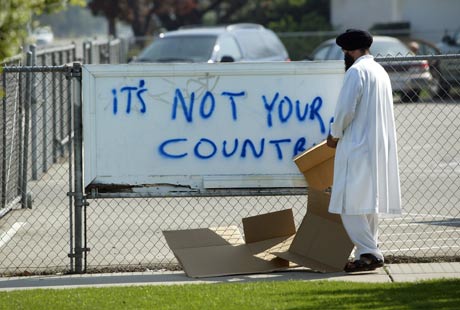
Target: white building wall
column 363, row 13
column 428, row 18
column 431, row 18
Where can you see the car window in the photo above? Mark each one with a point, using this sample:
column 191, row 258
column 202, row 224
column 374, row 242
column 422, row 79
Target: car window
column 227, row 46
column 180, row 48
column 255, row 45
column 426, row 49
column 335, row 53
column 274, row 44
column 457, row 38
column 389, row 48
column 321, row 52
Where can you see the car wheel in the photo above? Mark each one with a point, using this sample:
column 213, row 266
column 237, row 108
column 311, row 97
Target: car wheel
column 410, row 95
column 443, row 91
column 434, row 88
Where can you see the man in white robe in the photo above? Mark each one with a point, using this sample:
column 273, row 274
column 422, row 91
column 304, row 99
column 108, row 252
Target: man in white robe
column 366, row 173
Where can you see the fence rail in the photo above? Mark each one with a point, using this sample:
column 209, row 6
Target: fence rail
column 40, row 220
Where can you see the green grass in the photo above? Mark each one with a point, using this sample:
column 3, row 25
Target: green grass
column 439, row 294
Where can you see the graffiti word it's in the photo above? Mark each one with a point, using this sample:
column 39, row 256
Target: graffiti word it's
column 129, row 92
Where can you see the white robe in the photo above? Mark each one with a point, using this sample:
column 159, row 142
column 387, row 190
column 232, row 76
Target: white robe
column 366, row 172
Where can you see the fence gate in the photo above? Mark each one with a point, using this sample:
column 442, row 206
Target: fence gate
column 36, row 215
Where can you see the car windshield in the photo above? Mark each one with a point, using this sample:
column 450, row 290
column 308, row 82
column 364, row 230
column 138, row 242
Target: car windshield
column 257, row 45
column 179, row 48
column 389, row 48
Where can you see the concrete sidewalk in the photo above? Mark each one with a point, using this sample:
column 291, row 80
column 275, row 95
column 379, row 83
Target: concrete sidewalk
column 390, row 273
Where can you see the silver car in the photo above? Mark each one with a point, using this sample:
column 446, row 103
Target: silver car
column 238, row 42
column 449, row 68
column 408, row 78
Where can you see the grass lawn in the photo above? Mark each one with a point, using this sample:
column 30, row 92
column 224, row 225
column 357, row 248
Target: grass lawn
column 439, row 294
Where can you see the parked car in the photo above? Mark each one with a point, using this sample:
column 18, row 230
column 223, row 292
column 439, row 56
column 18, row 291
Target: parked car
column 421, row 47
column 437, row 67
column 449, row 68
column 42, row 35
column 450, row 43
column 237, row 42
column 408, row 78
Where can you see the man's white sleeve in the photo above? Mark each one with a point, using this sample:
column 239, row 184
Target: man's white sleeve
column 348, row 99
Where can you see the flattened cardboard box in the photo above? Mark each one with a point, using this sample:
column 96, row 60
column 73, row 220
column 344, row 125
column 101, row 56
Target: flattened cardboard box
column 317, row 166
column 221, row 251
column 321, row 242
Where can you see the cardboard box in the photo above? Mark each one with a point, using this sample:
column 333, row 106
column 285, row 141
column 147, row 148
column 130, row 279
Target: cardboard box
column 321, row 242
column 317, row 166
column 222, row 251
column 271, row 241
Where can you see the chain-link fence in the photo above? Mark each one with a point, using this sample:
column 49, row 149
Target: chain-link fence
column 36, row 130
column 111, row 51
column 428, row 126
column 122, row 232
column 36, row 167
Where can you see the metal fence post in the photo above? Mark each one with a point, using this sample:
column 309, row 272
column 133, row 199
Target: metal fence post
column 33, row 115
column 20, row 134
column 61, row 109
column 25, row 154
column 74, row 52
column 53, row 110
column 4, row 153
column 79, row 202
column 84, row 52
column 70, row 161
column 88, row 47
column 109, row 51
column 44, row 122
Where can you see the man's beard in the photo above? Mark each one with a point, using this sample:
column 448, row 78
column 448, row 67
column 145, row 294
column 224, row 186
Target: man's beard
column 349, row 61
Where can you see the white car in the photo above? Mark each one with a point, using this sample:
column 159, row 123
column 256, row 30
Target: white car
column 43, row 36
column 233, row 43
column 408, row 78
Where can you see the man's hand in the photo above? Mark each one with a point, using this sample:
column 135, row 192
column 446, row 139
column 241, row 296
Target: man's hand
column 332, row 142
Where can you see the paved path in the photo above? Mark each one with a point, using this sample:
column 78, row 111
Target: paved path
column 390, row 273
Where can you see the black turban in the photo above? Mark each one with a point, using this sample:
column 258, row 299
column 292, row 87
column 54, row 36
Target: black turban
column 354, row 39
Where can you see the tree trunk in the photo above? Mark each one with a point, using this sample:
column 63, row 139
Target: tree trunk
column 112, row 21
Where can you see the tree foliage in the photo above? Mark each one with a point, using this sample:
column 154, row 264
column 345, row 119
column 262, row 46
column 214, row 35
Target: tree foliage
column 73, row 22
column 287, row 15
column 148, row 16
column 16, row 14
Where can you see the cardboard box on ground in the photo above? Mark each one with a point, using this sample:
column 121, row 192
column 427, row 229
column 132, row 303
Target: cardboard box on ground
column 271, row 241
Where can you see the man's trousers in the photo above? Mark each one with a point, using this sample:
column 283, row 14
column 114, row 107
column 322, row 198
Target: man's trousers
column 363, row 232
